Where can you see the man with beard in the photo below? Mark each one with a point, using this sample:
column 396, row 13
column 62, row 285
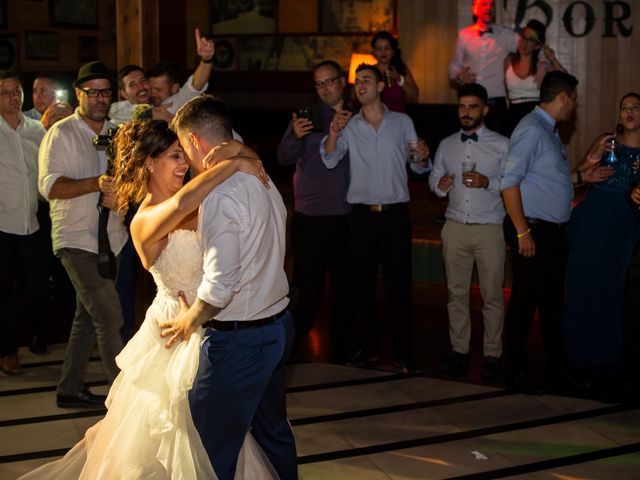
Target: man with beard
column 71, row 176
column 467, row 168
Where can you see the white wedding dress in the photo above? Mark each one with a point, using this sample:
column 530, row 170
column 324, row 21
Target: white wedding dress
column 148, row 432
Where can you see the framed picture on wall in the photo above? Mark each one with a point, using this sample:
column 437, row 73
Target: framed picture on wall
column 239, row 17
column 42, row 45
column 3, row 13
column 74, row 13
column 9, row 52
column 362, row 16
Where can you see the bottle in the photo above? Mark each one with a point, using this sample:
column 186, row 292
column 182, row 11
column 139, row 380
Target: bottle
column 610, row 157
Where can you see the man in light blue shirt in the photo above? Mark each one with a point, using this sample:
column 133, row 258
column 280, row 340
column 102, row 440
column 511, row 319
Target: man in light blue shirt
column 537, row 190
column 377, row 141
column 467, row 169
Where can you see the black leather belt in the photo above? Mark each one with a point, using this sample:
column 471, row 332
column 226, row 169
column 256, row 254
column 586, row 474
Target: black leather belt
column 377, row 208
column 242, row 324
column 539, row 221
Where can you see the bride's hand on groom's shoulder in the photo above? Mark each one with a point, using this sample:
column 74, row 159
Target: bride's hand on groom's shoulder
column 247, row 160
column 227, row 151
column 180, row 328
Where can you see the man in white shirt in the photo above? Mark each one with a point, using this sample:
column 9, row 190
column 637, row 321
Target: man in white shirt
column 242, row 302
column 467, row 169
column 479, row 57
column 159, row 88
column 72, row 176
column 22, row 256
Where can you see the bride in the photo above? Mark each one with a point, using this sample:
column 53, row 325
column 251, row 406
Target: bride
column 148, row 432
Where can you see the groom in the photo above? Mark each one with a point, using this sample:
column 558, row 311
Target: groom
column 242, row 304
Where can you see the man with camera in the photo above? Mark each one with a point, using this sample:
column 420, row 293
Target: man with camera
column 71, row 176
column 319, row 224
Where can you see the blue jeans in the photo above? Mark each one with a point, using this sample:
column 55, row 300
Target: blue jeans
column 240, row 385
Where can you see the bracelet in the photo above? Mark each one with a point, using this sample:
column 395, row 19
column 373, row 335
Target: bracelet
column 579, row 177
column 520, row 235
column 204, row 60
column 333, row 130
column 401, row 81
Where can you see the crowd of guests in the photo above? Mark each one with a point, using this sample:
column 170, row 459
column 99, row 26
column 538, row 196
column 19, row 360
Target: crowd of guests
column 505, row 174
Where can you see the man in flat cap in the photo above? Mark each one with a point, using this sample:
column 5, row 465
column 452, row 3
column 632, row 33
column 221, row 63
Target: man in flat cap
column 71, row 176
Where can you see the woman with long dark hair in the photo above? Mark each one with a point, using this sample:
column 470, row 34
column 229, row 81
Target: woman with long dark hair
column 400, row 86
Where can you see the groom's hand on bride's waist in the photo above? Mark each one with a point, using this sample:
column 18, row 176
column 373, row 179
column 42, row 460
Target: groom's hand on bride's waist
column 188, row 320
column 180, row 328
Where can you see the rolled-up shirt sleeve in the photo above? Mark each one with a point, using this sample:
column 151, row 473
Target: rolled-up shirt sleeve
column 52, row 161
column 221, row 220
column 332, row 159
column 523, row 149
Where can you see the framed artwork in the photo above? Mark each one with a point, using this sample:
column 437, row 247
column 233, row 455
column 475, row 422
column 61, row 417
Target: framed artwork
column 74, row 13
column 9, row 52
column 240, row 17
column 42, row 45
column 3, row 13
column 356, row 16
column 297, row 53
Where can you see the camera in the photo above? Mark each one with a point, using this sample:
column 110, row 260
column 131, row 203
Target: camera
column 101, row 142
column 315, row 114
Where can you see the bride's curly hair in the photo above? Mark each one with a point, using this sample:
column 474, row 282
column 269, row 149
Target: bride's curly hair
column 133, row 144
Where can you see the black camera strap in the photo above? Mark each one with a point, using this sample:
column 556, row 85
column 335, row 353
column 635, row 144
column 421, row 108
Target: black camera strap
column 106, row 258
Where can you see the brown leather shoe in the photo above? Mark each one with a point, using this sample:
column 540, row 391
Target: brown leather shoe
column 10, row 365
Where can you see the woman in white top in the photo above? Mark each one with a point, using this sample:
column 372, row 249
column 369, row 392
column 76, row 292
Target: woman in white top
column 525, row 69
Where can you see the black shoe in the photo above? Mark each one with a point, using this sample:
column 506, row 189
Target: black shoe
column 456, row 364
column 37, row 345
column 84, row 399
column 491, row 367
column 361, row 359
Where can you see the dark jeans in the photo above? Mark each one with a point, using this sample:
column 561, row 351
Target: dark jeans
column 320, row 244
column 23, row 285
column 538, row 282
column 240, row 386
column 382, row 238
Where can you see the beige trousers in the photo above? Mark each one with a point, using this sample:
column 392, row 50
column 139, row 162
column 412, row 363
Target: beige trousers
column 484, row 245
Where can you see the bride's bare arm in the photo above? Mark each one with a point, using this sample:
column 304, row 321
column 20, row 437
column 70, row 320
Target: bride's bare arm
column 153, row 223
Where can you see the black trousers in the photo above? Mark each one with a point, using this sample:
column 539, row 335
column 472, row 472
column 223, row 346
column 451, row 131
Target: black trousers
column 382, row 238
column 23, row 285
column 496, row 119
column 321, row 245
column 538, row 283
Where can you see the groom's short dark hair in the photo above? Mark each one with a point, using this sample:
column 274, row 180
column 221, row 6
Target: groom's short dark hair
column 205, row 115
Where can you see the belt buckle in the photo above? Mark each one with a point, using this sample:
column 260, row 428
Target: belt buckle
column 376, row 208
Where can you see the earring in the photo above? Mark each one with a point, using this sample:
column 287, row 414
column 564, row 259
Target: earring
column 151, row 171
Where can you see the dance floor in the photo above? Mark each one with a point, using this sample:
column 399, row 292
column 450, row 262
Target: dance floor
column 370, row 424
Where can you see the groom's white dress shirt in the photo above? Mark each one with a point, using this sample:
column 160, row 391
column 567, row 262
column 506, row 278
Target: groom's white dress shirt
column 243, row 236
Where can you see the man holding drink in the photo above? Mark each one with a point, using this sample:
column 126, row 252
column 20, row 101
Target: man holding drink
column 473, row 231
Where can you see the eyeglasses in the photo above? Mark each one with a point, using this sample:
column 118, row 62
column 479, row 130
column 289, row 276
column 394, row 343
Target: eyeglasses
column 327, row 83
column 16, row 92
column 95, row 92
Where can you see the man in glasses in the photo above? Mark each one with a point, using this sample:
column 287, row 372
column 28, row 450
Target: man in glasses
column 319, row 225
column 71, row 176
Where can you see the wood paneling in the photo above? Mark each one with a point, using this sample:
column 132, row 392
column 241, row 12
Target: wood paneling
column 138, row 23
column 428, row 30
column 295, row 16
